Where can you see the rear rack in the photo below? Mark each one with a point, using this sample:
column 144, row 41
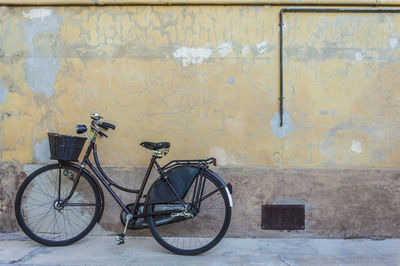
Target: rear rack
column 174, row 163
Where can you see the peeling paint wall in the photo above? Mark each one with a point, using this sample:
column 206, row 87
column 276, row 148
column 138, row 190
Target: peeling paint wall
column 204, row 76
column 342, row 89
column 206, row 79
column 182, row 74
column 11, row 177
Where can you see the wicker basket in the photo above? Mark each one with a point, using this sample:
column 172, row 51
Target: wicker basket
column 65, row 148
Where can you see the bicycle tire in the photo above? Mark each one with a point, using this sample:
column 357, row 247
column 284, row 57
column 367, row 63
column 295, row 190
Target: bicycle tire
column 164, row 234
column 69, row 217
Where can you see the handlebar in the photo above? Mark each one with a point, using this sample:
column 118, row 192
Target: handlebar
column 102, row 134
column 95, row 127
column 106, row 125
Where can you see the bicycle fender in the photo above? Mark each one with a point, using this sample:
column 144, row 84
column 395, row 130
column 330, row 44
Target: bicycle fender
column 214, row 174
column 74, row 165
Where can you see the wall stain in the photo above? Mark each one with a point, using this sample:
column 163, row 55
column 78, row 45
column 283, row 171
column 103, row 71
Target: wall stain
column 287, row 126
column 41, row 71
column 3, row 92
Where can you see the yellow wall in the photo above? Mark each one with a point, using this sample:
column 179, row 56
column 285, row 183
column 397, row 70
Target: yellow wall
column 205, row 78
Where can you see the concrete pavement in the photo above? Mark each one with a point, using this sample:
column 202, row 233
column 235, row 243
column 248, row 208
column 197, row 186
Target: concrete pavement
column 16, row 249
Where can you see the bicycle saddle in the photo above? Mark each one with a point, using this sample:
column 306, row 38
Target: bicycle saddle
column 155, row 146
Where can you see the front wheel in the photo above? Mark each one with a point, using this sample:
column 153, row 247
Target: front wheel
column 44, row 216
column 207, row 226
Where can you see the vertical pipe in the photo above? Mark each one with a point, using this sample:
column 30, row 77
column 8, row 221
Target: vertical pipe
column 281, row 65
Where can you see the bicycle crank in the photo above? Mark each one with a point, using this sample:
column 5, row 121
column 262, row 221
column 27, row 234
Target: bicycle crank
column 121, row 237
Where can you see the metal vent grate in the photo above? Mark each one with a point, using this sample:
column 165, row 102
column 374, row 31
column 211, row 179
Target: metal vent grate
column 282, row 217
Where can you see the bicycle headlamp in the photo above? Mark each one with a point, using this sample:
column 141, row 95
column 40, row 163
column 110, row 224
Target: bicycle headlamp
column 81, row 129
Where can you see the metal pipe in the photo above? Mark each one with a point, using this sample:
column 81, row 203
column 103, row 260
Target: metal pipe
column 281, row 66
column 314, row 10
column 201, row 2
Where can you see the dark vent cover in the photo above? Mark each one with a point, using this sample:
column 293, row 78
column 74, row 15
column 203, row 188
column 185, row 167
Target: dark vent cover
column 282, row 217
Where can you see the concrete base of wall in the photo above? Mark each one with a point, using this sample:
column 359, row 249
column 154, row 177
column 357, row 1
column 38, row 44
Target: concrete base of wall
column 339, row 203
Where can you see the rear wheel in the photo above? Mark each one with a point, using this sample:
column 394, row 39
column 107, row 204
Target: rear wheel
column 192, row 236
column 45, row 217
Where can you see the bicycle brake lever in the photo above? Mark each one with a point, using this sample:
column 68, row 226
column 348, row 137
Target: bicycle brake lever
column 102, row 134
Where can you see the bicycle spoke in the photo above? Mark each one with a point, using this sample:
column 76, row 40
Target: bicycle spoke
column 47, row 191
column 77, row 216
column 43, row 193
column 51, row 181
column 73, row 204
column 42, row 220
column 36, row 200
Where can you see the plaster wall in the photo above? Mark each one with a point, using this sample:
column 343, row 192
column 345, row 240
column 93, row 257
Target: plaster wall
column 206, row 79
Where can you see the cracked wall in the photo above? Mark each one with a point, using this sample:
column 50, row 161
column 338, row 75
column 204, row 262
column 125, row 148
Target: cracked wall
column 180, row 74
column 206, row 78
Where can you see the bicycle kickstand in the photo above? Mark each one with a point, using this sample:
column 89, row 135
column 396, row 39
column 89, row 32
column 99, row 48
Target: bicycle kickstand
column 121, row 237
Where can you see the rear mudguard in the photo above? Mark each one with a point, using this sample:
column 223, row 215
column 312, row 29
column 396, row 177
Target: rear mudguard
column 223, row 184
column 74, row 165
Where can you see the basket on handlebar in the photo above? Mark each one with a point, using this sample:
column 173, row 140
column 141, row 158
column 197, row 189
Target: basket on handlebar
column 65, row 148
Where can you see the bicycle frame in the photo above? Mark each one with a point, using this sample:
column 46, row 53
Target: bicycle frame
column 107, row 182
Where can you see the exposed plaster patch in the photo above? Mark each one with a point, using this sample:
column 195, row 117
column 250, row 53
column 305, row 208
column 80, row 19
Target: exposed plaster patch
column 245, row 50
column 234, row 124
column 231, row 80
column 37, row 13
column 224, row 49
column 326, row 148
column 356, row 146
column 358, row 56
column 262, row 47
column 276, row 157
column 192, row 55
column 327, row 112
column 287, row 126
column 393, row 42
column 40, row 71
column 3, row 92
column 41, row 152
column 222, row 157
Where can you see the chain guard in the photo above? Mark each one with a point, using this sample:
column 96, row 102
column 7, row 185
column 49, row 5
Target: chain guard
column 134, row 224
column 141, row 223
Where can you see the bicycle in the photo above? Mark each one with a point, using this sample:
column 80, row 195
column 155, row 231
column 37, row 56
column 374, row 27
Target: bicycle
column 187, row 208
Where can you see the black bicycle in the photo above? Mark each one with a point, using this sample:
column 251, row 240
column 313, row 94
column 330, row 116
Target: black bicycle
column 187, row 208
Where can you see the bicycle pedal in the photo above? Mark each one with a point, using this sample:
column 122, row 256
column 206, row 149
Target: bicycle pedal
column 120, row 239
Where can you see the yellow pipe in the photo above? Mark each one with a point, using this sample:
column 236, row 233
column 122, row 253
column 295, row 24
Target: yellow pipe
column 388, row 2
column 203, row 2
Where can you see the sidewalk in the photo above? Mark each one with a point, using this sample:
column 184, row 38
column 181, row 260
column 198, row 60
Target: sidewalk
column 102, row 250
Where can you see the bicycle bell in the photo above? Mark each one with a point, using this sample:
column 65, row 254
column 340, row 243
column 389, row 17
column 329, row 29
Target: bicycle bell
column 95, row 116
